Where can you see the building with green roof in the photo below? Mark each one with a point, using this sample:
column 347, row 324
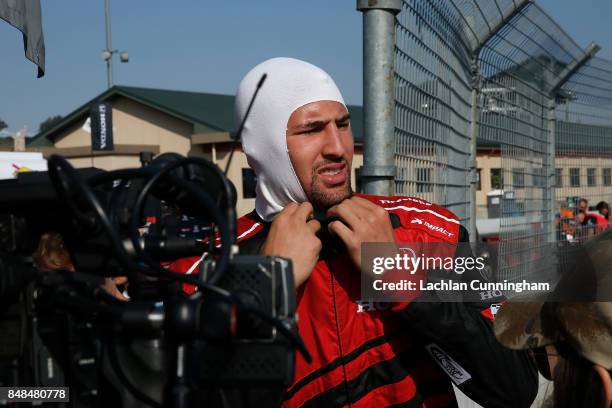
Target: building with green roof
column 160, row 121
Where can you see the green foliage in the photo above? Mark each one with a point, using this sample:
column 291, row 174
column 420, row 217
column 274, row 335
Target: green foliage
column 49, row 122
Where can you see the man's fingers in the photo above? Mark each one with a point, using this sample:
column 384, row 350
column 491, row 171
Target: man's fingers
column 363, row 203
column 314, row 225
column 290, row 208
column 346, row 212
column 368, row 212
column 120, row 280
column 304, row 211
column 338, row 228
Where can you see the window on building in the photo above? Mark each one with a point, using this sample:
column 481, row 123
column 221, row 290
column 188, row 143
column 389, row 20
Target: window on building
column 478, row 183
column 591, row 177
column 249, row 181
column 539, row 177
column 518, row 178
column 607, row 176
column 423, row 184
column 497, row 179
column 558, row 177
column 574, row 177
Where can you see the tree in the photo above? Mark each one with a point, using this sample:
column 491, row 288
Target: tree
column 49, row 123
column 3, row 125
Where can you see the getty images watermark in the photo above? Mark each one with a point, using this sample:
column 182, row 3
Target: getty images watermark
column 454, row 272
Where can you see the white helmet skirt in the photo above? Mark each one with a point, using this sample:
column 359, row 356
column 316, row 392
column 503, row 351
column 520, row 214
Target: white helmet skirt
column 290, row 84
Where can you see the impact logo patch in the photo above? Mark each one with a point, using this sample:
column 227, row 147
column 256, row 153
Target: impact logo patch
column 432, row 227
column 457, row 373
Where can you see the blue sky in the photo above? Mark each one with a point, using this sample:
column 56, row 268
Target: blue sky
column 204, row 46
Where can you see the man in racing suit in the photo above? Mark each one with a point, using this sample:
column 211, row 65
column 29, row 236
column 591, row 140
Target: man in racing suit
column 298, row 140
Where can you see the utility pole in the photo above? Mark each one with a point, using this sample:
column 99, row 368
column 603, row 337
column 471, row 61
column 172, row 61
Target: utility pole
column 109, row 47
column 107, row 53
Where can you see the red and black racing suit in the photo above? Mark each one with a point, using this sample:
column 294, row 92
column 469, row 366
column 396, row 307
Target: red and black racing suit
column 368, row 354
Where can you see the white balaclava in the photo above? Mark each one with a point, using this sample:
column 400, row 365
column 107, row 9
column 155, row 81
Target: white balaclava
column 290, row 84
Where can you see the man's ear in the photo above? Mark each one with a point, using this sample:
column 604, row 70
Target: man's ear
column 606, row 384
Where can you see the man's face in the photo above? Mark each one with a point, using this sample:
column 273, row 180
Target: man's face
column 582, row 205
column 320, row 144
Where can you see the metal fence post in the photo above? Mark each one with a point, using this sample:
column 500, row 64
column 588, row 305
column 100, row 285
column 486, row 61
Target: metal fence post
column 549, row 163
column 473, row 165
column 378, row 171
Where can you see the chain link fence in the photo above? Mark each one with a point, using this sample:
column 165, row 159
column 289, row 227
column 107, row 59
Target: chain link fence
column 432, row 105
column 520, row 67
column 504, row 73
column 583, row 168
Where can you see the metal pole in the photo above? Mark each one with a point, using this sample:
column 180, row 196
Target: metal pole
column 378, row 171
column 109, row 47
column 549, row 163
column 473, row 165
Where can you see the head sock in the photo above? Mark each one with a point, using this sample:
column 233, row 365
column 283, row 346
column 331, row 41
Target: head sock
column 290, row 84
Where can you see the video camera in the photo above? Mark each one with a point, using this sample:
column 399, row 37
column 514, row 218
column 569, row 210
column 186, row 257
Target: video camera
column 230, row 343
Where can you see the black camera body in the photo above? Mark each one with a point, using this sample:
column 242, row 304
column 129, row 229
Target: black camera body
column 259, row 353
column 233, row 340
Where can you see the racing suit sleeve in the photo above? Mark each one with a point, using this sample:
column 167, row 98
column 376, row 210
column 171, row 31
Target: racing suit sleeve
column 459, row 337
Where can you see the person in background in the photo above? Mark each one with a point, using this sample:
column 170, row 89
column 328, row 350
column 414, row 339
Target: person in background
column 583, row 205
column 580, row 218
column 570, row 329
column 52, row 255
column 604, row 209
column 581, row 230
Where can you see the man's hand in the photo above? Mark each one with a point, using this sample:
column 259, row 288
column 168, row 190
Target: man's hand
column 292, row 235
column 362, row 221
column 110, row 285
